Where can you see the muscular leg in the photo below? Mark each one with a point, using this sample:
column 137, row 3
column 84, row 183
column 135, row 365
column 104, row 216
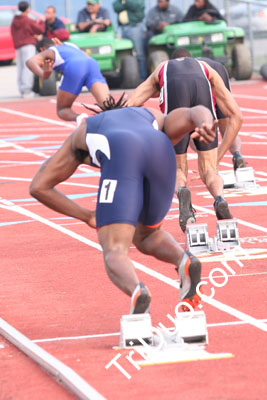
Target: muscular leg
column 100, row 91
column 207, row 166
column 115, row 240
column 64, row 103
column 181, row 171
column 162, row 246
column 237, row 144
column 158, row 243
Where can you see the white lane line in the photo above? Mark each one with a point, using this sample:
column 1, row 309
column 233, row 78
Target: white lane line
column 62, row 183
column 52, row 365
column 7, row 130
column 104, row 335
column 100, row 335
column 36, row 117
column 221, row 306
column 253, row 110
column 248, row 96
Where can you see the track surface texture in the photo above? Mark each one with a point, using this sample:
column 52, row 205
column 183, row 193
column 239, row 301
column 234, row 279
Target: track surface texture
column 54, row 288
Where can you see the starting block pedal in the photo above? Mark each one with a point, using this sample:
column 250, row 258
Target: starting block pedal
column 227, row 233
column 245, row 177
column 192, row 327
column 229, row 178
column 197, row 238
column 134, row 326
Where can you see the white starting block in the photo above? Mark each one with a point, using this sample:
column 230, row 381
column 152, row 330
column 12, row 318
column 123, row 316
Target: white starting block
column 198, row 240
column 227, row 234
column 135, row 326
column 197, row 237
column 245, row 177
column 241, row 178
column 192, row 328
column 229, row 179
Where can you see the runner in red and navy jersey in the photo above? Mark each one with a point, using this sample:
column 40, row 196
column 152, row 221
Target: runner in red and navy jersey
column 236, row 147
column 187, row 82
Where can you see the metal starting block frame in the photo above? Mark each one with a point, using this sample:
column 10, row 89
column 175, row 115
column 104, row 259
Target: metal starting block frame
column 245, row 177
column 227, row 234
column 197, row 237
column 192, row 328
column 133, row 326
column 242, row 178
column 229, row 179
column 198, row 240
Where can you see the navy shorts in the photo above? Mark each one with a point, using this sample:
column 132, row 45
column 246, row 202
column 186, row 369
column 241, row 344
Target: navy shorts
column 79, row 73
column 138, row 167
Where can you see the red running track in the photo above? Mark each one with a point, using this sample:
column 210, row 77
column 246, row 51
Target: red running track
column 54, row 286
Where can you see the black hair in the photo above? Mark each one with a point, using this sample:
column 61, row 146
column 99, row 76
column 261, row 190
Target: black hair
column 180, row 52
column 44, row 43
column 109, row 104
column 54, row 8
column 23, row 6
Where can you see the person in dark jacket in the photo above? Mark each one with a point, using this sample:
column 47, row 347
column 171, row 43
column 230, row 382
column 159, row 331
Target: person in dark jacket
column 202, row 10
column 131, row 15
column 54, row 27
column 23, row 31
column 163, row 14
column 93, row 18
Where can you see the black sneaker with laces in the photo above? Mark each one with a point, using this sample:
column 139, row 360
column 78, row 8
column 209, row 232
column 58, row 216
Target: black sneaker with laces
column 186, row 212
column 238, row 160
column 221, row 208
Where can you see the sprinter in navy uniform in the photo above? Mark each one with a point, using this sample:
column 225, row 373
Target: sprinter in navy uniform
column 78, row 70
column 135, row 191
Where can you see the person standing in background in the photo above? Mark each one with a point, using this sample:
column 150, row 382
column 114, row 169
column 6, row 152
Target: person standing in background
column 131, row 14
column 23, row 31
column 54, row 27
column 163, row 14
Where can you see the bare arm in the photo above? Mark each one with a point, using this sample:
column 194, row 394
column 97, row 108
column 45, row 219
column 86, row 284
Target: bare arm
column 183, row 120
column 147, row 89
column 229, row 107
column 42, row 63
column 55, row 170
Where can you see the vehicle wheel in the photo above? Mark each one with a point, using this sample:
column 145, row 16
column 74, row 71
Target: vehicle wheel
column 155, row 58
column 263, row 71
column 242, row 62
column 6, row 62
column 48, row 87
column 130, row 77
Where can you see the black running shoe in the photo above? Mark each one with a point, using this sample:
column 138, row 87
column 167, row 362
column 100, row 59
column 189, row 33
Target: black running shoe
column 186, row 212
column 238, row 160
column 140, row 299
column 221, row 208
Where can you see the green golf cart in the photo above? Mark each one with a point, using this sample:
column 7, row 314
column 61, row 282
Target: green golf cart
column 214, row 40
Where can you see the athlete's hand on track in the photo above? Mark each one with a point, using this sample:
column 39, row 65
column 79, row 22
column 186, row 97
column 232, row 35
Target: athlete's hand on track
column 206, row 134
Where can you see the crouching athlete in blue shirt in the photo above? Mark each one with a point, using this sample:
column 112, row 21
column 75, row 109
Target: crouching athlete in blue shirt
column 138, row 174
column 78, row 70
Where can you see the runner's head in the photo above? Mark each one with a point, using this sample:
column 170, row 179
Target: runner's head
column 180, row 53
column 44, row 44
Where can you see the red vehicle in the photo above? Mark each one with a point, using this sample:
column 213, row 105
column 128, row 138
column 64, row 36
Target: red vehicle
column 7, row 50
